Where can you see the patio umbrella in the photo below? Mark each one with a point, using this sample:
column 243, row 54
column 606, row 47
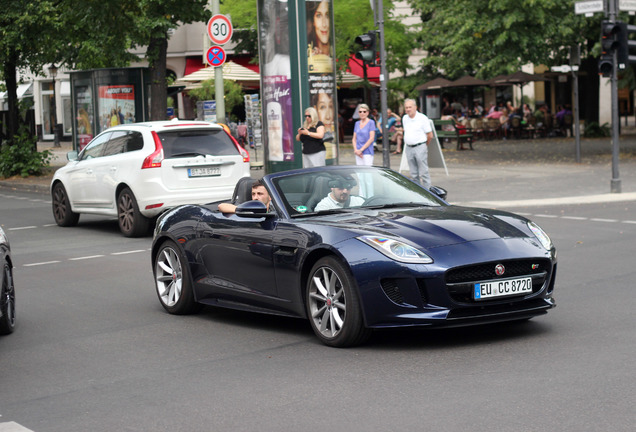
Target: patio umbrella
column 437, row 83
column 468, row 81
column 519, row 78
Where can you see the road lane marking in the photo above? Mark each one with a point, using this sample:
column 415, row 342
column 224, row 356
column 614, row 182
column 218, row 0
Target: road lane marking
column 22, row 228
column 574, row 217
column 129, row 252
column 41, row 263
column 85, row 257
column 603, row 220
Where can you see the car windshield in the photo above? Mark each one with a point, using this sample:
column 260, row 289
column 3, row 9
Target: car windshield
column 332, row 190
column 194, row 142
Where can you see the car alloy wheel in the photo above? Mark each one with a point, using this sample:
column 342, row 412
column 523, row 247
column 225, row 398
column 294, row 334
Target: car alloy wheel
column 131, row 222
column 62, row 212
column 7, row 302
column 333, row 306
column 172, row 280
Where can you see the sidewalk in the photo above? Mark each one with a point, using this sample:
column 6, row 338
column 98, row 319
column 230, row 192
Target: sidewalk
column 497, row 173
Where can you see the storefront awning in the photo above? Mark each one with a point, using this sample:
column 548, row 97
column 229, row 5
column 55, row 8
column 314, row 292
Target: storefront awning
column 24, row 90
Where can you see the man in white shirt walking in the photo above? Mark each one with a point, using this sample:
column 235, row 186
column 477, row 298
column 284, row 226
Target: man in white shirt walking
column 418, row 133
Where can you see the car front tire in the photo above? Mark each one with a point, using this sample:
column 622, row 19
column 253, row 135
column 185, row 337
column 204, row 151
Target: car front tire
column 131, row 222
column 7, row 302
column 62, row 213
column 173, row 282
column 333, row 305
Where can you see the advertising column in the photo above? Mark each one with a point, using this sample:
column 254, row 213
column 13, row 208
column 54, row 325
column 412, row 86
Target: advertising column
column 296, row 46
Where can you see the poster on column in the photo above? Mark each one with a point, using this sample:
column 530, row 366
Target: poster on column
column 116, row 105
column 320, row 66
column 276, row 80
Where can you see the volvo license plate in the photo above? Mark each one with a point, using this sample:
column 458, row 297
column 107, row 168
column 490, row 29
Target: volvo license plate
column 204, row 172
column 502, row 288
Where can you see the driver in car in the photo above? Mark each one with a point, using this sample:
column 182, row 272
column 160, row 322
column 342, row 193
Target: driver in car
column 340, row 196
column 259, row 193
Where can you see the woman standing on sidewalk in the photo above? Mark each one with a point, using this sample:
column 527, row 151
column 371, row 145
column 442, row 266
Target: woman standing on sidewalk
column 363, row 139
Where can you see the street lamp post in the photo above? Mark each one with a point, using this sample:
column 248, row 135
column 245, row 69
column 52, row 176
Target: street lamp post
column 56, row 138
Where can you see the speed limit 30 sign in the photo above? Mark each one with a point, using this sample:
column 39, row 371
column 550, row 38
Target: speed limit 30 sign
column 220, row 29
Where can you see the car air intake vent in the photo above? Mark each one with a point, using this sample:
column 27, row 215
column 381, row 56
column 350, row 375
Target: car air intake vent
column 421, row 285
column 482, row 272
column 390, row 288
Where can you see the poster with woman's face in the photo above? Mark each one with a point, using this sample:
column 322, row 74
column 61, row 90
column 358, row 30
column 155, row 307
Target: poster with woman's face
column 320, row 65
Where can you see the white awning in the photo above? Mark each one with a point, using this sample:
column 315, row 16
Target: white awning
column 24, row 90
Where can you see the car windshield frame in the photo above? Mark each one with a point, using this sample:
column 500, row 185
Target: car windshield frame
column 371, row 188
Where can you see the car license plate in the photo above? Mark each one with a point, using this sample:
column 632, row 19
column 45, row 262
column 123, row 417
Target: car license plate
column 502, row 288
column 204, row 172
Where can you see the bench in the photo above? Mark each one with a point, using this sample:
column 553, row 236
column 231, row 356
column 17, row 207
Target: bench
column 454, row 134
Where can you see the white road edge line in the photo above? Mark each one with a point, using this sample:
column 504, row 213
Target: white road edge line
column 22, row 228
column 128, row 252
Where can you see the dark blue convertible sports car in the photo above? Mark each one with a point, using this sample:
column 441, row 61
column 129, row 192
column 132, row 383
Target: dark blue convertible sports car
column 353, row 248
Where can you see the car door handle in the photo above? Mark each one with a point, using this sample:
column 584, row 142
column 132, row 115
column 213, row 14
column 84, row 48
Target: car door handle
column 113, row 168
column 89, row 171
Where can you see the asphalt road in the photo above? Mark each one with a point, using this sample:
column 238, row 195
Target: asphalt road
column 94, row 351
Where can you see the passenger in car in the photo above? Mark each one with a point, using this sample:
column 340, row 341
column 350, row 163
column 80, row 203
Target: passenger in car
column 259, row 193
column 340, row 196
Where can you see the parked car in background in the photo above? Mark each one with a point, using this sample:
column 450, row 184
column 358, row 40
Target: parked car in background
column 7, row 292
column 353, row 249
column 136, row 171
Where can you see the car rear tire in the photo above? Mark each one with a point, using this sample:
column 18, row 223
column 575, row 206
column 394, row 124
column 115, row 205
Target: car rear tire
column 333, row 305
column 131, row 222
column 173, row 282
column 62, row 213
column 7, row 302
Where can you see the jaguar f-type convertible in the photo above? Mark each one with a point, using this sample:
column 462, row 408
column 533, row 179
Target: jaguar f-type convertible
column 353, row 249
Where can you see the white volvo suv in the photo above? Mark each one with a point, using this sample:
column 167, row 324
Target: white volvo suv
column 136, row 171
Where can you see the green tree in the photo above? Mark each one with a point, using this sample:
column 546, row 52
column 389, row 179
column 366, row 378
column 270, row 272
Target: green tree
column 489, row 37
column 207, row 91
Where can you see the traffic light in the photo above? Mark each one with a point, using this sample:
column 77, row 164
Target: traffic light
column 368, row 52
column 614, row 38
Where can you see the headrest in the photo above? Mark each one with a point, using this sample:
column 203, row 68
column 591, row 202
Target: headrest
column 342, row 182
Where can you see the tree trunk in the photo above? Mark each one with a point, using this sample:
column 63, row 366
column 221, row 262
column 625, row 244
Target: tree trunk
column 157, row 53
column 10, row 78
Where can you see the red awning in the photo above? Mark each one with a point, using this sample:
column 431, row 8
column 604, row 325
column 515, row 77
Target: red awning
column 193, row 64
column 373, row 72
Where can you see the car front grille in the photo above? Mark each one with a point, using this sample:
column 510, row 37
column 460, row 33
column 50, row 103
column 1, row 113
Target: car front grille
column 460, row 281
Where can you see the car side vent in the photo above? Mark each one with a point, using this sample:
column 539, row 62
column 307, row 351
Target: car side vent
column 421, row 286
column 390, row 288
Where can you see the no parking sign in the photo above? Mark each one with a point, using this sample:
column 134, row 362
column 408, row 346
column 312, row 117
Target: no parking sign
column 215, row 56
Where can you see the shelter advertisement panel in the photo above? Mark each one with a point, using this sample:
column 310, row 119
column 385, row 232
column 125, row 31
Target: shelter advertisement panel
column 320, row 67
column 116, row 105
column 84, row 106
column 276, row 80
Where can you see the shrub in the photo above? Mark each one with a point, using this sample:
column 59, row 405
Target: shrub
column 594, row 130
column 20, row 157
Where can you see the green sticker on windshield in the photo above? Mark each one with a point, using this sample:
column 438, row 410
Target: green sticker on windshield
column 301, row 209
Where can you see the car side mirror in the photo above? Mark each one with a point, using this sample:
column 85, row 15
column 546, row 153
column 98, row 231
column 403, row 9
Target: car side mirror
column 72, row 155
column 438, row 191
column 253, row 209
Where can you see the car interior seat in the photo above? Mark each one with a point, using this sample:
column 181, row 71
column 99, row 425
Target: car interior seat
column 319, row 190
column 243, row 191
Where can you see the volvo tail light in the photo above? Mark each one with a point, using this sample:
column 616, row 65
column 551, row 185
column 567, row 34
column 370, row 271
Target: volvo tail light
column 154, row 159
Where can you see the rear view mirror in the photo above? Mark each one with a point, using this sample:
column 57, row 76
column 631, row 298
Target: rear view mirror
column 253, row 209
column 72, row 155
column 438, row 191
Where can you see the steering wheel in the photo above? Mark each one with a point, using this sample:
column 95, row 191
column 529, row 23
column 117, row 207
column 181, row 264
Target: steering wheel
column 376, row 200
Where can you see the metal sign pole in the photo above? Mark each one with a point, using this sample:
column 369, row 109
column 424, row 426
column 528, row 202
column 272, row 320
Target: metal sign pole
column 386, row 153
column 615, row 184
column 218, row 78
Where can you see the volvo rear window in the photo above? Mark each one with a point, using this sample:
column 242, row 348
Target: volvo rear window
column 187, row 143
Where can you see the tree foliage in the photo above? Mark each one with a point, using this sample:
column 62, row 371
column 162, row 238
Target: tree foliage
column 489, row 37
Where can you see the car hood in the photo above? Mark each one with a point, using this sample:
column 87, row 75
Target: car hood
column 433, row 226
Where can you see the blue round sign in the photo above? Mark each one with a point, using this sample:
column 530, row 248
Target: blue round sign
column 215, row 56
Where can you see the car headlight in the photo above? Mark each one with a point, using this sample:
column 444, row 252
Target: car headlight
column 540, row 235
column 396, row 250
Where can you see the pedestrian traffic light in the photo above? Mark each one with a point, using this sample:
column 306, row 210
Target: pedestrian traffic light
column 368, row 52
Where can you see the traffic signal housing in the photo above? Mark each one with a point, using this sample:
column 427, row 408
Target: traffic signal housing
column 368, row 53
column 614, row 39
